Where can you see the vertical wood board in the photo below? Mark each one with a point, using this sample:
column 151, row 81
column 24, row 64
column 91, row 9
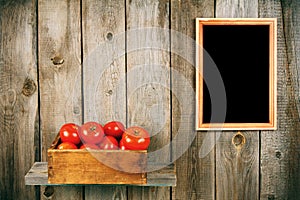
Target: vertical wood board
column 104, row 80
column 236, row 8
column 237, row 166
column 148, row 82
column 237, row 155
column 18, row 98
column 196, row 167
column 59, row 45
column 280, row 153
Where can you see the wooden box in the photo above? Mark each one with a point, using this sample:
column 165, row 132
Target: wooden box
column 96, row 166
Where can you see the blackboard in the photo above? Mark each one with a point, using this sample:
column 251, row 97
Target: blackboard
column 239, row 55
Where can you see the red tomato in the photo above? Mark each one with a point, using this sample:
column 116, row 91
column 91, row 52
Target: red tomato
column 69, row 133
column 109, row 142
column 91, row 133
column 121, row 145
column 89, row 146
column 66, row 145
column 136, row 138
column 114, row 128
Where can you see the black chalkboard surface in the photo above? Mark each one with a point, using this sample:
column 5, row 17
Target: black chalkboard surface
column 242, row 51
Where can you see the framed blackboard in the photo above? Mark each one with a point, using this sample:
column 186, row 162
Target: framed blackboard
column 236, row 74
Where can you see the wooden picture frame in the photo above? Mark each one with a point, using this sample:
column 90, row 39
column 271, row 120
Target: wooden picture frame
column 243, row 53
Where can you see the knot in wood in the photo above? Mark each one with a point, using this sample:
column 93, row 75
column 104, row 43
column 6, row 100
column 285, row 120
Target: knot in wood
column 271, row 197
column 108, row 92
column 57, row 60
column 109, row 36
column 278, row 154
column 29, row 87
column 238, row 139
column 49, row 191
column 76, row 110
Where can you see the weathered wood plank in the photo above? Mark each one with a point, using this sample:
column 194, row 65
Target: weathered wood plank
column 195, row 170
column 38, row 175
column 104, row 79
column 148, row 85
column 237, row 166
column 59, row 45
column 18, row 98
column 236, row 8
column 280, row 152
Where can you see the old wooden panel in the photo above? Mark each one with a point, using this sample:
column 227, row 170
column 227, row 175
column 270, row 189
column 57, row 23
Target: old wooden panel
column 59, row 46
column 196, row 167
column 38, row 175
column 18, row 98
column 237, row 167
column 103, row 24
column 149, row 93
column 236, row 8
column 237, row 155
column 280, row 152
column 148, row 81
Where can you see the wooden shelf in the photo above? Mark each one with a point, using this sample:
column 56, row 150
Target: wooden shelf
column 38, row 175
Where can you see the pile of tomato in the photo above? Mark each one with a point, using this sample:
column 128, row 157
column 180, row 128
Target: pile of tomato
column 111, row 136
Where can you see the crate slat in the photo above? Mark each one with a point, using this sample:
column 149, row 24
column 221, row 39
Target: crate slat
column 97, row 166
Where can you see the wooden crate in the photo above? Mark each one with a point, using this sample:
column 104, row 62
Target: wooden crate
column 96, row 166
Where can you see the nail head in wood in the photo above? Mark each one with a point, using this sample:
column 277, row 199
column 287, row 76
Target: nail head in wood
column 109, row 36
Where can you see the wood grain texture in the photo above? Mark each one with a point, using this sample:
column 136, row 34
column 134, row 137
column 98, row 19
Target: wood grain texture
column 103, row 24
column 105, row 167
column 59, row 28
column 18, row 98
column 280, row 153
column 236, row 8
column 104, row 61
column 195, row 173
column 96, row 167
column 148, row 85
column 59, row 40
column 237, row 169
column 38, row 175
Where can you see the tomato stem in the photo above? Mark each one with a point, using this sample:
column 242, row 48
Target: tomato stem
column 136, row 133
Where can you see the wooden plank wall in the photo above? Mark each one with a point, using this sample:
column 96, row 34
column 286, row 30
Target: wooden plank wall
column 73, row 60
